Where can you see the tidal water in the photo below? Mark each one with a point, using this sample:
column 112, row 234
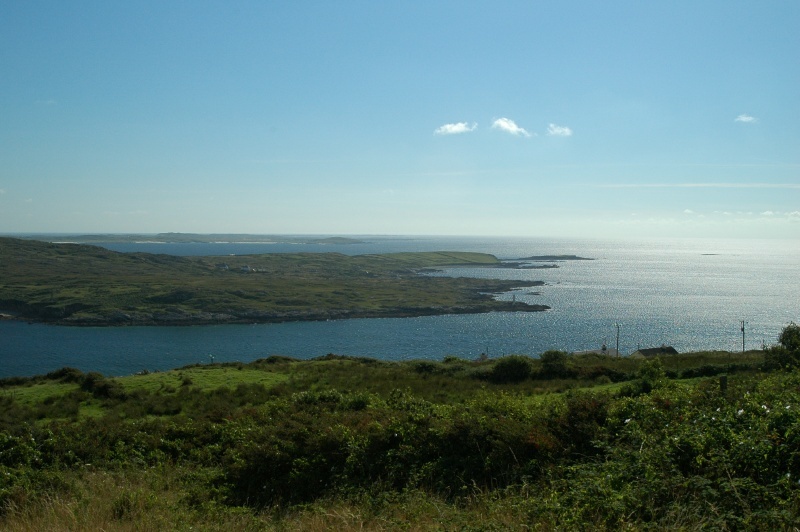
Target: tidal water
column 688, row 293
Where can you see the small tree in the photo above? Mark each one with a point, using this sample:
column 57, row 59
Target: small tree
column 512, row 368
column 554, row 364
column 787, row 353
column 790, row 337
column 651, row 374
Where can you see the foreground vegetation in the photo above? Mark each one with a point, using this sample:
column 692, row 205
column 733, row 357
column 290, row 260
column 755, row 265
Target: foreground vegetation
column 703, row 440
column 74, row 284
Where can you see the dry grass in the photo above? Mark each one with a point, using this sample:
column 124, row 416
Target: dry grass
column 130, row 501
column 156, row 500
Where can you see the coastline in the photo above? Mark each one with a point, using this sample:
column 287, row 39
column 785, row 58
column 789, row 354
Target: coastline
column 80, row 285
column 178, row 317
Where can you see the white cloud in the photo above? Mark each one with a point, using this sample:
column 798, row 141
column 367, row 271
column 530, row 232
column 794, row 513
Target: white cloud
column 688, row 211
column 767, row 213
column 558, row 131
column 745, row 118
column 454, row 129
column 509, row 126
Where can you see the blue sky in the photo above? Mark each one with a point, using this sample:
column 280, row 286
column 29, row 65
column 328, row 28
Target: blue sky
column 569, row 118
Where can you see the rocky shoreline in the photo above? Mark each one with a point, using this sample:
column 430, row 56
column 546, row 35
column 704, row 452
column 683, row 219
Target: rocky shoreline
column 179, row 317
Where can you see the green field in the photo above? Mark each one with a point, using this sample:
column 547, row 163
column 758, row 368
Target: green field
column 690, row 441
column 76, row 284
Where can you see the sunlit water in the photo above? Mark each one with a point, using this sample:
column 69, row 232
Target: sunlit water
column 691, row 294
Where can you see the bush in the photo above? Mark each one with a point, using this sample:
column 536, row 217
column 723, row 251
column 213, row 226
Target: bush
column 554, row 365
column 790, row 337
column 425, row 367
column 513, row 368
column 66, row 374
column 102, row 388
column 787, row 354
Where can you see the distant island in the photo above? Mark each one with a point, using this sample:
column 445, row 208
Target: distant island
column 192, row 238
column 553, row 258
column 525, row 263
column 77, row 284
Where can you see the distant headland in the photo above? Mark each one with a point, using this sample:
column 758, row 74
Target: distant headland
column 80, row 284
column 191, row 238
column 553, row 258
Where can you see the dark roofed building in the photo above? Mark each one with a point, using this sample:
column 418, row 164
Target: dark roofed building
column 654, row 351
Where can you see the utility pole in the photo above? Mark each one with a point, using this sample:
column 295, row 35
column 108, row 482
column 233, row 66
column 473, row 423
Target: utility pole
column 743, row 323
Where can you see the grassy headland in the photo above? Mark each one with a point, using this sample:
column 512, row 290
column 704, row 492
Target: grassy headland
column 75, row 284
column 702, row 440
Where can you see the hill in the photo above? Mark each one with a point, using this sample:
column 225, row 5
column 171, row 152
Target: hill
column 75, row 284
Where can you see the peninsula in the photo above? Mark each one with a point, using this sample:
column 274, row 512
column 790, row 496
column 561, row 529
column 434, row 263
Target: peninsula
column 192, row 238
column 77, row 284
column 553, row 258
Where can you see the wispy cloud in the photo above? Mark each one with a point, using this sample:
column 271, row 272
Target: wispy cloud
column 558, row 131
column 703, row 185
column 454, row 129
column 2, row 191
column 748, row 214
column 509, row 126
column 745, row 118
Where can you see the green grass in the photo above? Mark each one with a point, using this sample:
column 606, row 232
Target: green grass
column 202, row 377
column 38, row 392
column 92, row 410
column 450, row 382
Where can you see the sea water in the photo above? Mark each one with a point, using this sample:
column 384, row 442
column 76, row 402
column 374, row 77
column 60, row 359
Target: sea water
column 691, row 294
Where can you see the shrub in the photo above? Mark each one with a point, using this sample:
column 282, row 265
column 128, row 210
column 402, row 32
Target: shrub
column 787, row 354
column 66, row 374
column 512, row 368
column 425, row 367
column 579, row 424
column 790, row 337
column 554, row 365
column 101, row 387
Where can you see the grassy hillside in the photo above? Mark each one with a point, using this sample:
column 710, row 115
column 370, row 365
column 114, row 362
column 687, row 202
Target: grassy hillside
column 88, row 285
column 557, row 442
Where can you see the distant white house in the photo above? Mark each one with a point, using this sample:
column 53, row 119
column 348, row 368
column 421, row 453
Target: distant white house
column 602, row 351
